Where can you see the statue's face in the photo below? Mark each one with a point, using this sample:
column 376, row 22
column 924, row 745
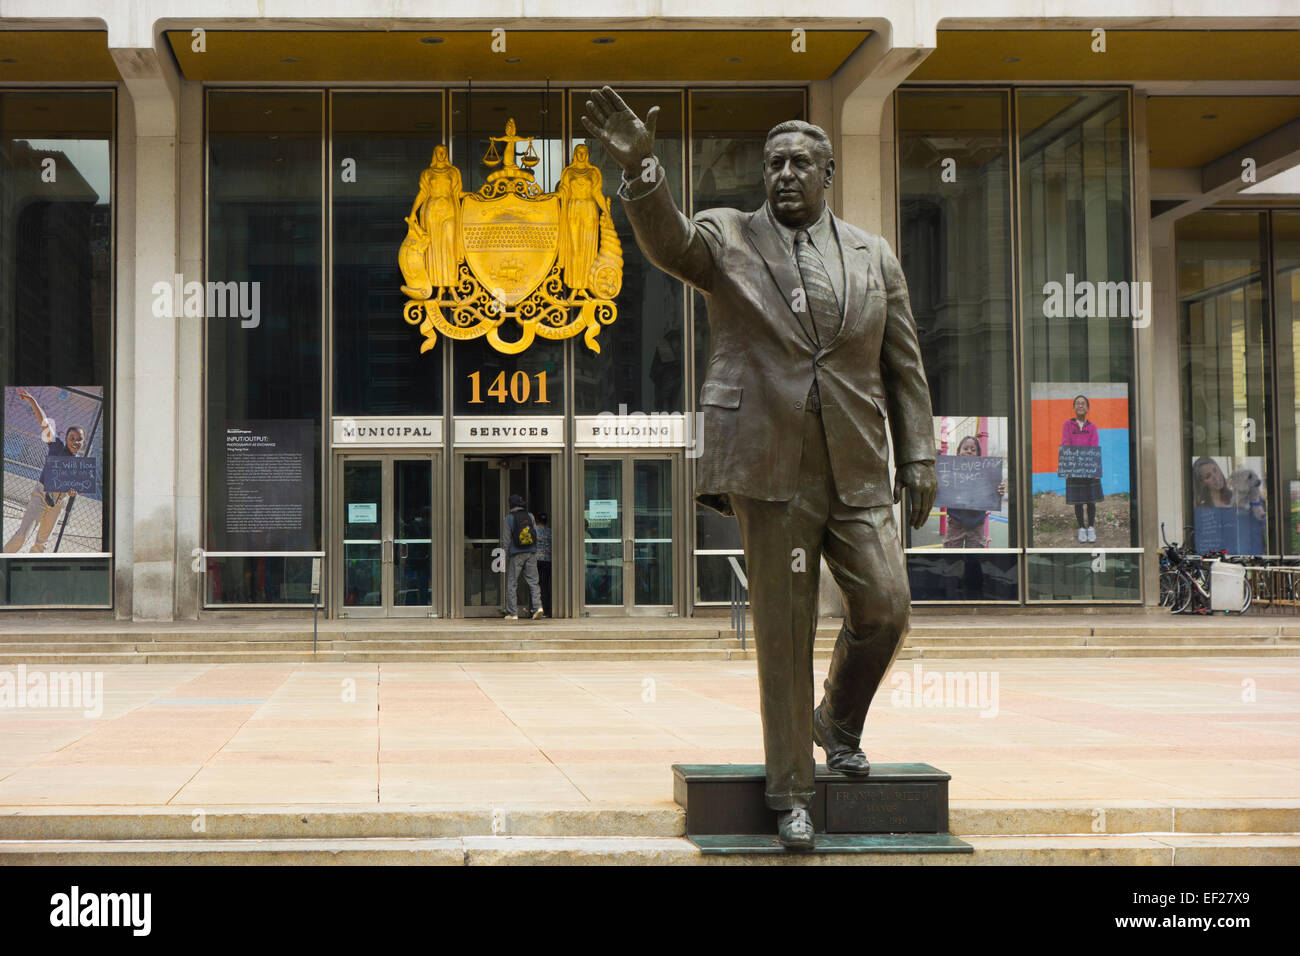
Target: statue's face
column 440, row 153
column 796, row 178
column 580, row 153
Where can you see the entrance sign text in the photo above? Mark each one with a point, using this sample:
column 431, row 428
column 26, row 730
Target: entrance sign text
column 514, row 431
column 367, row 432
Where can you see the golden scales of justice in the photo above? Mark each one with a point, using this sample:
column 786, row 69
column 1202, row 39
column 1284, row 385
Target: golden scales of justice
column 471, row 262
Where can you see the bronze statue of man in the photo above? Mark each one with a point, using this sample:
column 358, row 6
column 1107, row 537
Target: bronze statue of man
column 813, row 347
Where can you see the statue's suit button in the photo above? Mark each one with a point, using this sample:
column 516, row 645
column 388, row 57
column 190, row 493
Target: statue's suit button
column 798, row 404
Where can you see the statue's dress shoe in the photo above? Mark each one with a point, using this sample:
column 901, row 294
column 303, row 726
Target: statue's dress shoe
column 842, row 756
column 794, row 829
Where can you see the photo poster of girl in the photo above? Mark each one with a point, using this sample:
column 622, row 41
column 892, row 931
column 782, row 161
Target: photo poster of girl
column 965, row 436
column 53, row 470
column 1076, row 505
column 1229, row 509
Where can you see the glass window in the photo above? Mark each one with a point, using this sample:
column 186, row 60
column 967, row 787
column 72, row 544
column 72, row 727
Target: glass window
column 1226, row 368
column 955, row 227
column 1286, row 299
column 264, row 397
column 56, row 346
column 641, row 362
column 728, row 130
column 382, row 143
column 1079, row 305
column 485, row 381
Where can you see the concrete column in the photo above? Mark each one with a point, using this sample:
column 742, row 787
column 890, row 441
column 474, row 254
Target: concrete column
column 863, row 91
column 189, row 359
column 1148, row 351
column 148, row 353
column 861, row 114
column 124, row 348
column 1166, row 406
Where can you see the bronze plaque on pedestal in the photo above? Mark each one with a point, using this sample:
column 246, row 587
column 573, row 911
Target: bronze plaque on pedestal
column 864, row 807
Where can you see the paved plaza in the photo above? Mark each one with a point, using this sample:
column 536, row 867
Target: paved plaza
column 605, row 734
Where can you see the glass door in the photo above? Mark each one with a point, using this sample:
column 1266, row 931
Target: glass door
column 486, row 486
column 362, row 564
column 387, row 564
column 629, row 563
column 604, row 549
column 483, row 569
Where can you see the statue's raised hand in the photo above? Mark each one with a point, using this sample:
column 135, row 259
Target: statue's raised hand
column 629, row 141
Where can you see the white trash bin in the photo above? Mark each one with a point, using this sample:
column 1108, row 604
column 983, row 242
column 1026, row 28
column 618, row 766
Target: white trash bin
column 1227, row 586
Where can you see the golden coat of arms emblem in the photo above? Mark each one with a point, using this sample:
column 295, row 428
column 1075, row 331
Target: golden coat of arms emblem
column 509, row 253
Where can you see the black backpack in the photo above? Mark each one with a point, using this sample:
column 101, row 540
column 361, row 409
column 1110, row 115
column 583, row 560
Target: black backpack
column 525, row 536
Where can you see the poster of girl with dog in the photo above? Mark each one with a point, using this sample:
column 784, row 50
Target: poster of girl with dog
column 1229, row 512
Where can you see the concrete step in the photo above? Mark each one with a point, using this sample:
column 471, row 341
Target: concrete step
column 1067, row 849
column 414, row 644
column 1180, row 626
column 979, row 818
column 11, row 657
column 598, row 648
column 432, row 630
column 8, row 659
column 329, row 822
column 1220, row 628
column 1180, row 650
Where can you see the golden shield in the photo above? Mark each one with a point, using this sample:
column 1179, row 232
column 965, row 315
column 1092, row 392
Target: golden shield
column 510, row 242
column 510, row 263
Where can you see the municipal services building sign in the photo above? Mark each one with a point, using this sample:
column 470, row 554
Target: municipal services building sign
column 511, row 259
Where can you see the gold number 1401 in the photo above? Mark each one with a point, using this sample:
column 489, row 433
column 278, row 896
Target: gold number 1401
column 520, row 388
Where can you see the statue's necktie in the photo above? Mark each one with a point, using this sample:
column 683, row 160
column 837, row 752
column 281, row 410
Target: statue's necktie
column 818, row 291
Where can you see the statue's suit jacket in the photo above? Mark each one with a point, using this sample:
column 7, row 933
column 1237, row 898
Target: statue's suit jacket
column 764, row 356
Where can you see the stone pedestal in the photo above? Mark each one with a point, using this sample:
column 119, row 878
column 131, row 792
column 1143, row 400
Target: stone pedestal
column 899, row 808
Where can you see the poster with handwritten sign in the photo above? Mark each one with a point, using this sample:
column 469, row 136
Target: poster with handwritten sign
column 1078, row 461
column 969, row 483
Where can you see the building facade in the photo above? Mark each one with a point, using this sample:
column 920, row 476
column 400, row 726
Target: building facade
column 217, row 398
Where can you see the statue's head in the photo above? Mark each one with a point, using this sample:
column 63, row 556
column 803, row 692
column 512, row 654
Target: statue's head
column 439, row 155
column 510, row 126
column 798, row 165
column 580, row 153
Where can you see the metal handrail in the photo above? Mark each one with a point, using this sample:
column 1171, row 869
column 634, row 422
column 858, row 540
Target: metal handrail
column 739, row 599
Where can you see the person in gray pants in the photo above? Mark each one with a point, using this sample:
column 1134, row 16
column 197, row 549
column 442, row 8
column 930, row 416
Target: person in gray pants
column 519, row 541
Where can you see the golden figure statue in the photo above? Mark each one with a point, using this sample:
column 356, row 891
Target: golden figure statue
column 509, row 168
column 433, row 250
column 580, row 192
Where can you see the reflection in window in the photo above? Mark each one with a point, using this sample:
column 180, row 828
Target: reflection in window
column 1226, row 367
column 955, row 227
column 641, row 363
column 1286, row 298
column 264, row 374
column 1079, row 306
column 389, row 140
column 56, row 345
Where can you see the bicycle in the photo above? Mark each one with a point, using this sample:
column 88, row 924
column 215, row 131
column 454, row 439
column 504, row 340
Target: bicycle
column 1185, row 579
